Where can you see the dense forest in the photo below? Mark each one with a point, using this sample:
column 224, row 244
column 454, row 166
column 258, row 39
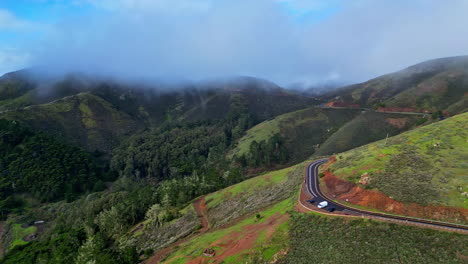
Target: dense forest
column 159, row 171
column 266, row 153
column 44, row 167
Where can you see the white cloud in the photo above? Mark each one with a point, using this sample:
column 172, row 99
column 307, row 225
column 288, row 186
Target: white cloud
column 166, row 6
column 304, row 6
column 8, row 21
column 12, row 60
column 203, row 38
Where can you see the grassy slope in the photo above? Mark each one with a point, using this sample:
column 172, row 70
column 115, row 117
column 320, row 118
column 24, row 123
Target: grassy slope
column 267, row 247
column 335, row 130
column 162, row 236
column 301, row 129
column 319, row 239
column 84, row 119
column 260, row 132
column 365, row 128
column 309, row 238
column 270, row 195
column 18, row 233
column 432, row 85
column 410, row 169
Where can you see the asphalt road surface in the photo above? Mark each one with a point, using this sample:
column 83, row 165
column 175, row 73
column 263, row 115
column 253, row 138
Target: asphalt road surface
column 313, row 187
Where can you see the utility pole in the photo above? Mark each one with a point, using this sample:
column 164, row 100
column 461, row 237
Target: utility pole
column 386, row 140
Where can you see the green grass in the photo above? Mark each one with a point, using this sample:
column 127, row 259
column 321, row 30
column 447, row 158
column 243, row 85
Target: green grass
column 260, row 132
column 18, row 233
column 85, row 119
column 196, row 246
column 232, row 209
column 320, row 239
column 249, row 186
column 315, row 131
column 21, row 101
column 410, row 168
column 314, row 238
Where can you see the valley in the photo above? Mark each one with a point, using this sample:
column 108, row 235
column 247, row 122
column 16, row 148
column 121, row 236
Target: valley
column 214, row 172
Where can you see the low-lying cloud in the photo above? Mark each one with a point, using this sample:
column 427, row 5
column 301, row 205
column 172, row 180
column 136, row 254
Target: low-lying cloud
column 207, row 39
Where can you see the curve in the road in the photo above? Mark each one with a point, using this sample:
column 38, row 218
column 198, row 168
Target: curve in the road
column 313, row 187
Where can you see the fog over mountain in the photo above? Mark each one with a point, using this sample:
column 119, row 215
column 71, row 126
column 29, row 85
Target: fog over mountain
column 285, row 41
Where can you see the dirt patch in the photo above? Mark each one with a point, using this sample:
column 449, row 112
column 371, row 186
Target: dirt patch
column 237, row 242
column 200, row 209
column 397, row 122
column 352, row 193
column 335, row 185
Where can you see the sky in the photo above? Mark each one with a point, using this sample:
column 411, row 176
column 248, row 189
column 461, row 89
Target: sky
column 301, row 42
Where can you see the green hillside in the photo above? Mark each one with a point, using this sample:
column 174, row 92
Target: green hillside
column 301, row 130
column 440, row 84
column 84, row 119
column 322, row 131
column 336, row 240
column 176, row 163
column 99, row 114
column 15, row 91
column 255, row 222
column 42, row 167
column 367, row 127
column 425, row 166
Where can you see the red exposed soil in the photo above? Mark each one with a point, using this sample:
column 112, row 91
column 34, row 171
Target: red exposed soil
column 397, row 122
column 200, row 208
column 352, row 193
column 238, row 242
column 341, row 104
column 304, row 207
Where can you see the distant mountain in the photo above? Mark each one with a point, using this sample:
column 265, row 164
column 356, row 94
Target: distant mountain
column 435, row 85
column 99, row 114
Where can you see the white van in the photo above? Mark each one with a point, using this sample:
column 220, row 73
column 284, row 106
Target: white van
column 322, row 204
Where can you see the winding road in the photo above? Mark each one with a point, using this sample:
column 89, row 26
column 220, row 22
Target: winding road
column 313, row 192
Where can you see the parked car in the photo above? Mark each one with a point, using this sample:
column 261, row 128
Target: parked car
column 322, row 204
column 312, row 201
column 330, row 209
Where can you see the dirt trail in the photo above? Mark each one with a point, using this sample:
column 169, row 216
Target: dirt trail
column 200, row 209
column 238, row 242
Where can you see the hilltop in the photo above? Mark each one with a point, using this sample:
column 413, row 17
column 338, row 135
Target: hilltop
column 435, row 85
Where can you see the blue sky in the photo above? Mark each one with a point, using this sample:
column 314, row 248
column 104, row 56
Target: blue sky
column 286, row 41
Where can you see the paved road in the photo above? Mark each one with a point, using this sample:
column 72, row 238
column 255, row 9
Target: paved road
column 313, row 188
column 373, row 110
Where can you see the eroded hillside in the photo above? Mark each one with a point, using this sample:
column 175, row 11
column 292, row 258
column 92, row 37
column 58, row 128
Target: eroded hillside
column 421, row 172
